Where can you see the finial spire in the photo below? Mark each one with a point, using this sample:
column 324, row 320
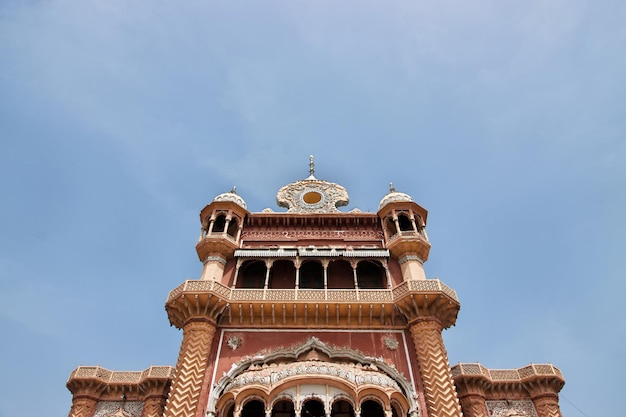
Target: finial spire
column 234, row 189
column 311, row 166
column 392, row 189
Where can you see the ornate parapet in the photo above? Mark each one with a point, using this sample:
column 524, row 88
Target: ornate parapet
column 92, row 386
column 533, row 387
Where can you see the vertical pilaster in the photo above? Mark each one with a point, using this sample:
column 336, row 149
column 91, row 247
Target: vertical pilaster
column 190, row 369
column 83, row 407
column 439, row 390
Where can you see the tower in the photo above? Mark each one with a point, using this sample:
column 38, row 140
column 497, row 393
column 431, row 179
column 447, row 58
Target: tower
column 315, row 312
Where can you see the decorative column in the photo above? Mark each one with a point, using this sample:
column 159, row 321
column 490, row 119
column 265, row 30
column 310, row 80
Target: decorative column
column 472, row 397
column 544, row 393
column 192, row 362
column 83, row 407
column 439, row 390
column 153, row 406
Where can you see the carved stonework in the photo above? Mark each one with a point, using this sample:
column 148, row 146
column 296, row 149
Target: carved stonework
column 521, row 408
column 312, row 196
column 234, row 342
column 119, row 409
column 310, row 234
column 391, row 343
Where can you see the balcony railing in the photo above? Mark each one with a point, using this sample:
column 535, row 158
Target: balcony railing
column 305, row 294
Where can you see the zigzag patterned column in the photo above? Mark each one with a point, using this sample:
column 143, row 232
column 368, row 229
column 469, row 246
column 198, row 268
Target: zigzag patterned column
column 474, row 406
column 83, row 407
column 441, row 398
column 547, row 407
column 153, row 407
column 190, row 369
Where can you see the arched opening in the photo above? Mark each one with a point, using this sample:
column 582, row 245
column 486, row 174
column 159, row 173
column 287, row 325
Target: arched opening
column 252, row 275
column 340, row 275
column 232, row 227
column 254, row 408
column 219, row 224
column 283, row 408
column 312, row 276
column 391, row 226
column 405, row 223
column 313, row 408
column 371, row 408
column 282, row 275
column 370, row 275
column 342, row 408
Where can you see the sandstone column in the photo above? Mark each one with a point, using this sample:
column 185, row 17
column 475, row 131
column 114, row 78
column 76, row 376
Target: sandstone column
column 441, row 399
column 191, row 367
column 83, row 407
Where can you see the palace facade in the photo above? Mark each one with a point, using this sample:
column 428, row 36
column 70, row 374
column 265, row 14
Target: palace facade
column 314, row 312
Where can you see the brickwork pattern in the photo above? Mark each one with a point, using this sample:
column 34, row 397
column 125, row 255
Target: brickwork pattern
column 190, row 369
column 439, row 389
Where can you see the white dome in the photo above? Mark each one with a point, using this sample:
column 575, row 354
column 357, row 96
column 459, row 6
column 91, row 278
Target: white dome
column 394, row 197
column 231, row 196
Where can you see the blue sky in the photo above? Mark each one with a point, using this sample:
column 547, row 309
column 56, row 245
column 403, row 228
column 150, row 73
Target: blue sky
column 120, row 120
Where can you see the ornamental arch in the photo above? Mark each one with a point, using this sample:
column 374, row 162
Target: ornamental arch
column 343, row 382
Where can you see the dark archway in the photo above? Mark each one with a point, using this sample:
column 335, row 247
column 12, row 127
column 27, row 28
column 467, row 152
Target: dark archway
column 254, row 408
column 282, row 275
column 340, row 275
column 252, row 275
column 219, row 224
column 312, row 276
column 283, row 408
column 233, row 225
column 342, row 408
column 371, row 408
column 313, row 408
column 370, row 275
column 405, row 223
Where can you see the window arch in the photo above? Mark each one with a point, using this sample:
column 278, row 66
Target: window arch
column 233, row 226
column 391, row 226
column 370, row 275
column 405, row 223
column 340, row 275
column 342, row 408
column 253, row 408
column 283, row 408
column 313, row 408
column 252, row 275
column 372, row 408
column 312, row 275
column 282, row 275
column 219, row 223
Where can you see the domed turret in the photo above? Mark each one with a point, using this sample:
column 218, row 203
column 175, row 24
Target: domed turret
column 222, row 221
column 233, row 197
column 404, row 227
column 393, row 197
